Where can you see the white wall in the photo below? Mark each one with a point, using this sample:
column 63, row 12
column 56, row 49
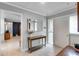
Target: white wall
column 1, row 26
column 24, row 32
column 12, row 16
column 0, row 23
column 74, row 39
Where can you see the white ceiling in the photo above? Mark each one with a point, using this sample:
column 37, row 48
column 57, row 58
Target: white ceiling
column 46, row 9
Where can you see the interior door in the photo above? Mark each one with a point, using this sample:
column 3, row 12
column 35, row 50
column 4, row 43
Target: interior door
column 61, row 31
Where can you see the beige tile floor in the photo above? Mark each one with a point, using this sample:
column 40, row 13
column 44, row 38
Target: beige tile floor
column 11, row 48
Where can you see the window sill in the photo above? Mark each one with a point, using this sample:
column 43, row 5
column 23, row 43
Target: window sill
column 74, row 33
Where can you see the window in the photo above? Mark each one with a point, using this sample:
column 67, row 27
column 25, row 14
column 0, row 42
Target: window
column 73, row 24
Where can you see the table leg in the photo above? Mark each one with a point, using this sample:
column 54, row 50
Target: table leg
column 45, row 41
column 42, row 41
column 30, row 45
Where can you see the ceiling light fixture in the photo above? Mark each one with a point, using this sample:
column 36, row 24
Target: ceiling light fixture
column 42, row 2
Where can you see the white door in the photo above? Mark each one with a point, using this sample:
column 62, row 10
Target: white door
column 61, row 31
column 50, row 31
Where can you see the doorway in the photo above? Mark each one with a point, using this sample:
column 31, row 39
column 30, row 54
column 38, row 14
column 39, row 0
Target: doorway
column 16, row 28
column 11, row 42
column 12, row 35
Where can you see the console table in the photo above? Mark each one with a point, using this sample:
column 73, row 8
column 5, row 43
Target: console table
column 31, row 38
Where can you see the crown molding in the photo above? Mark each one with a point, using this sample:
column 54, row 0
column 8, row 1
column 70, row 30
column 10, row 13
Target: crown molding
column 24, row 8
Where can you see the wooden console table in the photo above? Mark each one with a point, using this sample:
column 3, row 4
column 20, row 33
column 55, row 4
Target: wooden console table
column 30, row 39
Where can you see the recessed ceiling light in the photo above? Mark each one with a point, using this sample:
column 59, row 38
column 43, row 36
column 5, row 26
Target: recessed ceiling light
column 42, row 2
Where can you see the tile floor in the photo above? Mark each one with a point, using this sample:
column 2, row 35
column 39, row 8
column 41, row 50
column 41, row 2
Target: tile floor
column 11, row 48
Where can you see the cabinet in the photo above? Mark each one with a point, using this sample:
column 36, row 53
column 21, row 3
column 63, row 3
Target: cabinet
column 7, row 36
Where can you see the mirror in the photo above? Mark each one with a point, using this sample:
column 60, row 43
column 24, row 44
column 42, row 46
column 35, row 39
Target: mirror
column 34, row 25
column 31, row 25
